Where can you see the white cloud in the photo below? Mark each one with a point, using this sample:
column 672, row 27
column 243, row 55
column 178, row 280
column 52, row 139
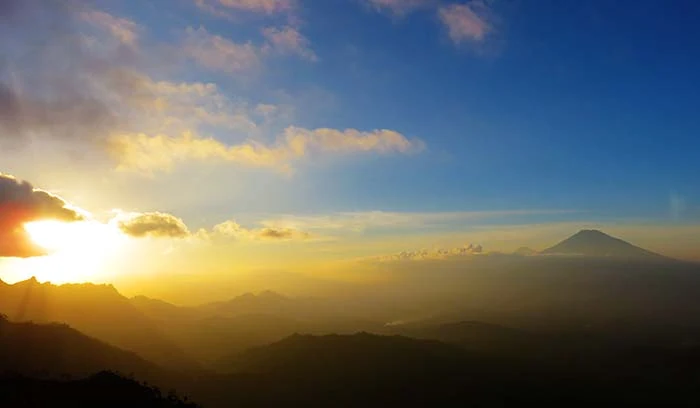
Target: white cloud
column 466, row 22
column 218, row 53
column 431, row 254
column 147, row 153
column 288, row 40
column 103, row 103
column 161, row 152
column 220, row 7
column 361, row 221
column 124, row 30
column 300, row 141
column 231, row 229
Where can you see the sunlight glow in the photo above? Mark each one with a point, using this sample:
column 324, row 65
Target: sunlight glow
column 78, row 251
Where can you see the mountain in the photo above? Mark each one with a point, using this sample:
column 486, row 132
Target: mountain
column 57, row 350
column 471, row 335
column 525, row 251
column 345, row 356
column 595, row 243
column 211, row 331
column 99, row 311
column 267, row 302
column 373, row 370
column 103, row 389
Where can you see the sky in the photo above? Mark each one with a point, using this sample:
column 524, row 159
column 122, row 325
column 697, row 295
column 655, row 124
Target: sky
column 240, row 142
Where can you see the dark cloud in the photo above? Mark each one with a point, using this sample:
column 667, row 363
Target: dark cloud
column 155, row 224
column 233, row 229
column 54, row 80
column 8, row 8
column 21, row 203
column 69, row 116
column 281, row 233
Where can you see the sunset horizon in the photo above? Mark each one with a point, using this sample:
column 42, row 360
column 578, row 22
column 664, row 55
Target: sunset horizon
column 349, row 203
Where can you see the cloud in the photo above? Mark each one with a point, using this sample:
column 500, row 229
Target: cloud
column 161, row 152
column 361, row 221
column 468, row 22
column 163, row 225
column 235, row 230
column 398, row 7
column 21, row 203
column 124, row 30
column 67, row 116
column 148, row 154
column 175, row 107
column 54, row 78
column 219, row 7
column 218, row 53
column 431, row 254
column 288, row 40
column 88, row 94
column 300, row 141
column 153, row 224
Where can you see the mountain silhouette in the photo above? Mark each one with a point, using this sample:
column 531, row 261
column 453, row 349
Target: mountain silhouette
column 472, row 335
column 99, row 311
column 104, row 389
column 596, row 243
column 264, row 302
column 357, row 355
column 57, row 350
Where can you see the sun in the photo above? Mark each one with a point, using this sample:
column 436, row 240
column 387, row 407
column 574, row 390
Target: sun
column 77, row 251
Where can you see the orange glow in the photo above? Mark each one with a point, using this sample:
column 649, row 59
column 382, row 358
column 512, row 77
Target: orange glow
column 77, row 250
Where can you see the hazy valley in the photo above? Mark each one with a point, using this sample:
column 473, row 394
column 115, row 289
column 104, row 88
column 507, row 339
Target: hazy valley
column 515, row 320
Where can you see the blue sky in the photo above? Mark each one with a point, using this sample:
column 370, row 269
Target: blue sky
column 353, row 127
column 570, row 105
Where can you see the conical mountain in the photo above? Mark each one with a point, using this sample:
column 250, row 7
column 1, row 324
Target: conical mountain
column 595, row 243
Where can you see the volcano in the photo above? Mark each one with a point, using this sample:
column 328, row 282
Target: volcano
column 596, row 243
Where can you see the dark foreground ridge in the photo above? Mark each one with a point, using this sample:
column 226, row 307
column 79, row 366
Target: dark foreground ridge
column 476, row 364
column 104, row 389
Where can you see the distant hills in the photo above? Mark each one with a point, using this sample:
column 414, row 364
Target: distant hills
column 586, row 283
column 349, row 355
column 595, row 243
column 96, row 310
column 471, row 335
column 55, row 350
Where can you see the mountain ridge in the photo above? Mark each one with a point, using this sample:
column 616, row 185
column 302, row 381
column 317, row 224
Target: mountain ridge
column 111, row 318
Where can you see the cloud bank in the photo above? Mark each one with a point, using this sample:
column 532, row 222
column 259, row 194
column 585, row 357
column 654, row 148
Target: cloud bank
column 432, row 254
column 86, row 87
column 161, row 152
